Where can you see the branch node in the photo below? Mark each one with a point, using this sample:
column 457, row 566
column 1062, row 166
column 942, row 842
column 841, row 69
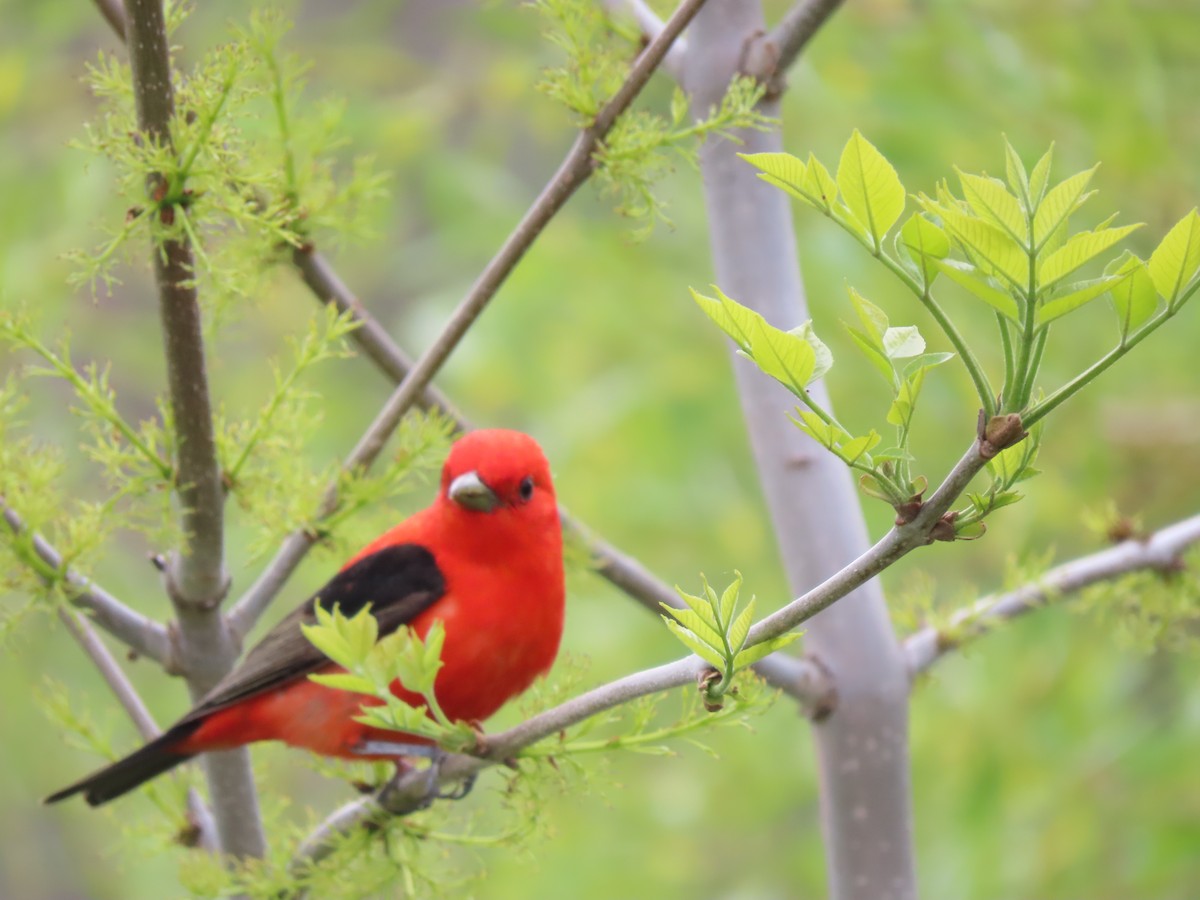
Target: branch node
column 999, row 433
column 822, row 704
column 943, row 528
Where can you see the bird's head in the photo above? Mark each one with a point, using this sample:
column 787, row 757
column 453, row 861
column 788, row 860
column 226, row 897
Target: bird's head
column 494, row 470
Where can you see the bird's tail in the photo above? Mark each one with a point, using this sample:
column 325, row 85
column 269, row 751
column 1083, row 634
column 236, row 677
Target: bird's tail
column 127, row 773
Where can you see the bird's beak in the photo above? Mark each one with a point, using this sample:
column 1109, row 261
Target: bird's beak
column 469, row 492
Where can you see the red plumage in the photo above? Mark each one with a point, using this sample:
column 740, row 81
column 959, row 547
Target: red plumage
column 485, row 558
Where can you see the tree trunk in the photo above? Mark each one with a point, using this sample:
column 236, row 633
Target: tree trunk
column 862, row 746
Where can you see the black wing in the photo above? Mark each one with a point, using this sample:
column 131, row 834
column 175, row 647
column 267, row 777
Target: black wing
column 399, row 582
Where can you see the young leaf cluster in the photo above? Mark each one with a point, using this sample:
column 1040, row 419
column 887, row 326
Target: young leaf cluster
column 1008, row 244
column 643, row 145
column 237, row 195
column 1148, row 610
column 372, row 665
column 715, row 629
column 796, row 358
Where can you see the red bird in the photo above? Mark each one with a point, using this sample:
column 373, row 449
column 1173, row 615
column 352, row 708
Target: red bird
column 485, row 558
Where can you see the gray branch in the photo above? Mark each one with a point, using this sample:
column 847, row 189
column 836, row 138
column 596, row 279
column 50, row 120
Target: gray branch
column 196, row 577
column 652, row 26
column 768, row 57
column 78, row 627
column 114, row 14
column 1160, row 551
column 140, row 633
column 574, row 170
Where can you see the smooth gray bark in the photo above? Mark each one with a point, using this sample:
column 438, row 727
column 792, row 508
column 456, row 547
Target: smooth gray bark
column 862, row 746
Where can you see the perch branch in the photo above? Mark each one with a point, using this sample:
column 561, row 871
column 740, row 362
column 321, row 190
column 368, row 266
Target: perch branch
column 410, row 792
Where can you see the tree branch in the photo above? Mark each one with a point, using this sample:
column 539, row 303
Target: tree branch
column 574, row 170
column 652, row 26
column 199, row 816
column 196, row 578
column 411, row 791
column 140, row 633
column 768, row 57
column 114, row 14
column 1160, row 551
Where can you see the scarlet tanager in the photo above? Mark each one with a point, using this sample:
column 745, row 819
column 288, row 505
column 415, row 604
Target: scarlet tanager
column 485, row 558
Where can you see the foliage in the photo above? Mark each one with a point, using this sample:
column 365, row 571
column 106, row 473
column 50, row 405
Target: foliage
column 640, row 149
column 716, row 630
column 240, row 200
column 1015, row 249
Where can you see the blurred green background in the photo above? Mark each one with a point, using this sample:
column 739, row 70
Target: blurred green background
column 1053, row 760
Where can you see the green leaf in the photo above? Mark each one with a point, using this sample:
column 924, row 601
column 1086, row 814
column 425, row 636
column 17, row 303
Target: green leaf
column 991, row 201
column 1059, row 203
column 965, row 276
column 874, row 319
column 679, row 106
column 698, row 605
column 755, row 652
column 729, row 598
column 819, row 185
column 1078, row 250
column 821, row 353
column 1018, row 178
column 711, row 655
column 927, row 361
column 818, row 429
column 344, row 681
column 788, row 358
column 699, row 625
column 1135, row 299
column 1078, row 294
column 1003, row 499
column 326, row 639
column 735, row 320
column 902, row 342
column 874, row 354
column 924, row 242
column 870, row 187
column 784, row 171
column 989, row 246
column 1039, row 177
column 1175, row 260
column 853, row 450
column 741, row 627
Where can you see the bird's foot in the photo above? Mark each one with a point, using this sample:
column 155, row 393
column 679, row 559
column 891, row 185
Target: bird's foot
column 411, row 790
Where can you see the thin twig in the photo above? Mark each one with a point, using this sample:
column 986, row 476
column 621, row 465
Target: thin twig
column 768, row 58
column 140, row 633
column 195, row 577
column 575, row 169
column 110, row 671
column 199, row 815
column 652, row 26
column 410, row 792
column 114, row 14
column 1160, row 551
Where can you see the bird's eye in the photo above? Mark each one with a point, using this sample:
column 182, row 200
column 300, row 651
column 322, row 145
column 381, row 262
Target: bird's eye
column 526, row 488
